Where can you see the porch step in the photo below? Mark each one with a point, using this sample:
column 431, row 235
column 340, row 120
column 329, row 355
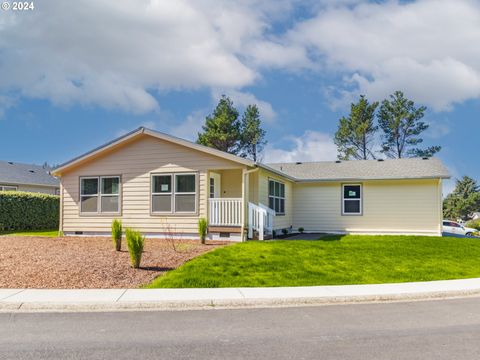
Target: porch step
column 229, row 229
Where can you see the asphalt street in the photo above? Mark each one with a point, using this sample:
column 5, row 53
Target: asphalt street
column 445, row 329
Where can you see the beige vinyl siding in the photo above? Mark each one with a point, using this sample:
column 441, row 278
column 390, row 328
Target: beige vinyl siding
column 135, row 162
column 393, row 206
column 279, row 221
column 231, row 183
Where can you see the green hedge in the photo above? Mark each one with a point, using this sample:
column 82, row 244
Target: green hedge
column 28, row 211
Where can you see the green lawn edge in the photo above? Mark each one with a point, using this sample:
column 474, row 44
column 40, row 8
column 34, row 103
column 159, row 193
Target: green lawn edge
column 331, row 260
column 46, row 233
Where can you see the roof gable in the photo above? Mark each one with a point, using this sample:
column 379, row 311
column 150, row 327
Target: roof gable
column 112, row 145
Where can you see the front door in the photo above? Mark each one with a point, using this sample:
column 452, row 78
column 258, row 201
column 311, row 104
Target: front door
column 215, row 185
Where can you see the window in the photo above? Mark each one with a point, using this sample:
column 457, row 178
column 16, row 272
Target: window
column 212, row 187
column 100, row 194
column 351, row 199
column 276, row 196
column 174, row 193
column 8, row 188
column 162, row 193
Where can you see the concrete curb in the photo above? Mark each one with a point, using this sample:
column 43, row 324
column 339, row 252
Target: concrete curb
column 63, row 300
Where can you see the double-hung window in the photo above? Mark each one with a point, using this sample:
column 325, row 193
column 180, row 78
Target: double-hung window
column 100, row 194
column 276, row 196
column 352, row 199
column 174, row 193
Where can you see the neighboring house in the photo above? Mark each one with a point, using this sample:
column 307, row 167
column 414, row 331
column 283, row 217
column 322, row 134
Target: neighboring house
column 476, row 216
column 160, row 184
column 26, row 177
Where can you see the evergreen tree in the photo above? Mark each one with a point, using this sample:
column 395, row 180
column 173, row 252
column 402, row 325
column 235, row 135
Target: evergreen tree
column 356, row 133
column 401, row 123
column 463, row 201
column 222, row 129
column 252, row 134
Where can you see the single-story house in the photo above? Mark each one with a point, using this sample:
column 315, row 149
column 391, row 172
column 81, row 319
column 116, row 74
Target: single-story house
column 27, row 177
column 161, row 185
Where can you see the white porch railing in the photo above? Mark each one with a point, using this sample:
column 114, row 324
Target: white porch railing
column 225, row 212
column 260, row 219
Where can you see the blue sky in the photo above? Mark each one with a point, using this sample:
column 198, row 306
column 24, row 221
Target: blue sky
column 75, row 75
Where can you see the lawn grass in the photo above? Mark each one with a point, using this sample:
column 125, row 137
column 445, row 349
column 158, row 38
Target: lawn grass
column 47, row 233
column 332, row 260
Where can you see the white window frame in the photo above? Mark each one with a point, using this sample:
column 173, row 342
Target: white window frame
column 173, row 194
column 99, row 195
column 360, row 199
column 11, row 188
column 277, row 197
column 152, row 193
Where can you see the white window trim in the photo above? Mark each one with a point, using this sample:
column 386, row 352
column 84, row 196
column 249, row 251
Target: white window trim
column 99, row 195
column 173, row 194
column 360, row 213
column 277, row 197
column 3, row 187
column 170, row 193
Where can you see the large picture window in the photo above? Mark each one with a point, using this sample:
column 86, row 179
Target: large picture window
column 352, row 199
column 276, row 196
column 174, row 193
column 100, row 194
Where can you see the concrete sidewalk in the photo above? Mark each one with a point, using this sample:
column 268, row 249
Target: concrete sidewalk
column 142, row 299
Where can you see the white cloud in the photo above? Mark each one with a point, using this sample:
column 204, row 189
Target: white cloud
column 311, row 146
column 425, row 48
column 438, row 129
column 190, row 127
column 116, row 53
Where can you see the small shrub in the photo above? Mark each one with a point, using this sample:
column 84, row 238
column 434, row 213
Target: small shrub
column 301, row 230
column 284, row 232
column 117, row 234
column 202, row 229
column 473, row 224
column 135, row 243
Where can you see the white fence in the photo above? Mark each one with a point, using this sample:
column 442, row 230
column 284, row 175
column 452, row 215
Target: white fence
column 225, row 212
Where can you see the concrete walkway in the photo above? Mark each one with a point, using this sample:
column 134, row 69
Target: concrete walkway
column 136, row 299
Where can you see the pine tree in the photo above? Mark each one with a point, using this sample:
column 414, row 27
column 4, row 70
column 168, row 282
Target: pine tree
column 401, row 123
column 252, row 134
column 356, row 133
column 463, row 201
column 222, row 129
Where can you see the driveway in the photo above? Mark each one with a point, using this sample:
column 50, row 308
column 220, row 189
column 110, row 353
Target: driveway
column 422, row 330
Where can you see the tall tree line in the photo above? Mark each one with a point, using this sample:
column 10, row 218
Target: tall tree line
column 399, row 121
column 226, row 131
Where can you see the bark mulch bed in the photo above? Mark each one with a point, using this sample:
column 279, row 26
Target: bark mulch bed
column 87, row 262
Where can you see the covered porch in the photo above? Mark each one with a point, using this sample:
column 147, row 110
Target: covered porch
column 233, row 206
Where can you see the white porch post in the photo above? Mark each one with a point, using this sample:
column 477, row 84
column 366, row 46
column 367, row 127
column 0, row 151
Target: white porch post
column 242, row 228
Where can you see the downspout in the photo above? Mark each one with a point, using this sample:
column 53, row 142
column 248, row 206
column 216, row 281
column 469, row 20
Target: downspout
column 244, row 196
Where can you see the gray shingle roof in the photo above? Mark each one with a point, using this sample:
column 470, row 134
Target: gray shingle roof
column 26, row 174
column 412, row 168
